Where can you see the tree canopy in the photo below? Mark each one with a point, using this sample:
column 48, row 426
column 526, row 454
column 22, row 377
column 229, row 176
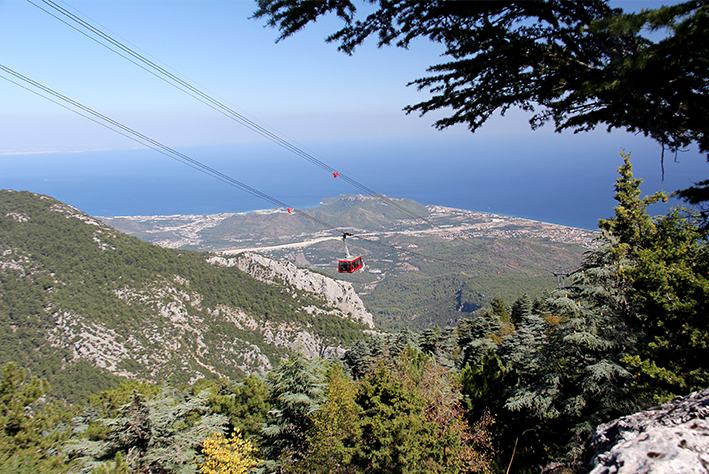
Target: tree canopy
column 576, row 64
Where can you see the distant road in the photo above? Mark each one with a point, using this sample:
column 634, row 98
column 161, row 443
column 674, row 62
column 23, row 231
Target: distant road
column 294, row 245
column 187, row 231
column 307, row 243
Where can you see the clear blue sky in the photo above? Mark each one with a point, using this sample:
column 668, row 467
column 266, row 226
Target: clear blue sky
column 301, row 87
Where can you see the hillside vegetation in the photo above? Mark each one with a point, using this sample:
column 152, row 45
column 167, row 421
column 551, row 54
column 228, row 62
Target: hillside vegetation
column 81, row 303
column 517, row 386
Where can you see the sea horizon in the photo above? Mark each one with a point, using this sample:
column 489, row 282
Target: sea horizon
column 542, row 187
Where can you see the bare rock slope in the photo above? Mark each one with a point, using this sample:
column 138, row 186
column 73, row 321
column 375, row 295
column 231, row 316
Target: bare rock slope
column 669, row 439
column 340, row 294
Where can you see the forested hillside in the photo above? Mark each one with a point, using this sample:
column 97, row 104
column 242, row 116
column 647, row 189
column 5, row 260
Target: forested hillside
column 81, row 303
column 518, row 387
column 123, row 357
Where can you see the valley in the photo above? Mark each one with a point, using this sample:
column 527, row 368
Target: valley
column 484, row 254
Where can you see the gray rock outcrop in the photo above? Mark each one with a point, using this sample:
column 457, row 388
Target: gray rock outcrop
column 672, row 438
column 339, row 294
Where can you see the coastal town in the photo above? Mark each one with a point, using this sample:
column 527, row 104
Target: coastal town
column 187, row 231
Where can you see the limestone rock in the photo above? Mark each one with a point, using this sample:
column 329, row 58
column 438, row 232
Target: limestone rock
column 672, row 438
column 339, row 294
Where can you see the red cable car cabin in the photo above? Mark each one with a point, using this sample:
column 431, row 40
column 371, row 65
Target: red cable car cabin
column 349, row 266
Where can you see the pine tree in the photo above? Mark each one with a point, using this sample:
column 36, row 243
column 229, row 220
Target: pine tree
column 668, row 283
column 32, row 428
column 413, row 421
column 478, row 337
column 575, row 379
column 631, row 223
column 498, row 307
column 521, row 440
column 521, row 308
column 296, row 392
column 131, row 432
column 521, row 349
column 671, row 293
column 163, row 434
column 440, row 344
column 485, row 388
column 578, row 366
column 245, row 402
column 17, row 395
column 335, row 431
column 400, row 340
column 358, row 360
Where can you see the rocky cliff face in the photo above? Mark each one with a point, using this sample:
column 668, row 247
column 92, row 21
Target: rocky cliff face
column 339, row 294
column 180, row 335
column 670, row 439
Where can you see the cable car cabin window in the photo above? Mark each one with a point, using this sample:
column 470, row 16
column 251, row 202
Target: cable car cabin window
column 349, row 266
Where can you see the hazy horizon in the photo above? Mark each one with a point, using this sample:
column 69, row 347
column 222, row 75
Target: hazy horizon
column 344, row 110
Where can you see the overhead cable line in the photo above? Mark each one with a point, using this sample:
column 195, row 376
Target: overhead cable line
column 128, row 132
column 149, row 142
column 184, row 86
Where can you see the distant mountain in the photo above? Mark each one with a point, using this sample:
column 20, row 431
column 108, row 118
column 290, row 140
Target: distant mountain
column 419, row 272
column 81, row 303
column 276, row 226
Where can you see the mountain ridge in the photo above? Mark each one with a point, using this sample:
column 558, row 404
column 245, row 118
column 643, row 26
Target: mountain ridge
column 73, row 289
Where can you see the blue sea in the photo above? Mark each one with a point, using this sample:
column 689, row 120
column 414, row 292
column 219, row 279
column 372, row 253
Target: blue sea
column 563, row 179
